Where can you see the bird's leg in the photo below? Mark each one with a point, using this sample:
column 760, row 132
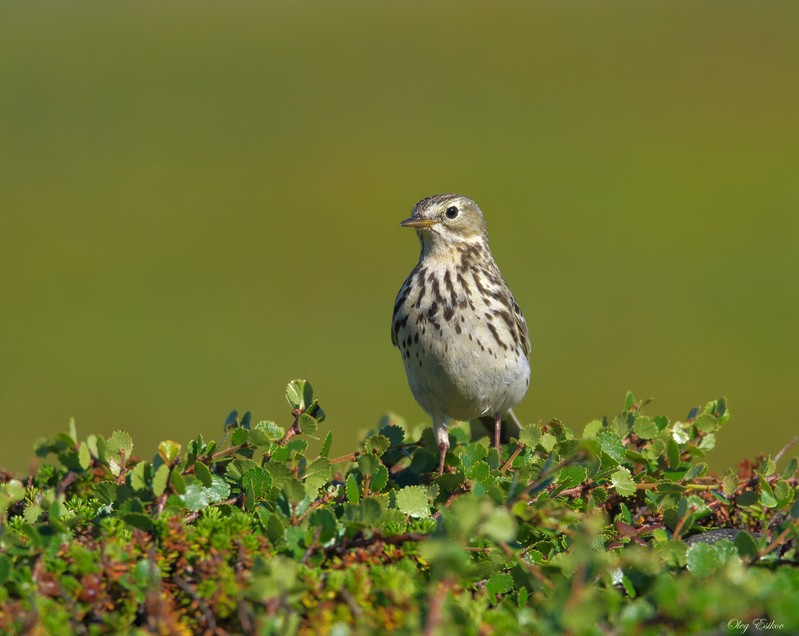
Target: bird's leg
column 497, row 427
column 440, row 433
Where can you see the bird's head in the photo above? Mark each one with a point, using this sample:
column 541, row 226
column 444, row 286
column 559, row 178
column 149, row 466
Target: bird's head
column 447, row 218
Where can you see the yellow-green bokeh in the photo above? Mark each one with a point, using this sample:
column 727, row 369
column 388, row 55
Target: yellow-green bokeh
column 200, row 201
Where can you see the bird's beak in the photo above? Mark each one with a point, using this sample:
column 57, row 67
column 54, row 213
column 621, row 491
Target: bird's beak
column 416, row 222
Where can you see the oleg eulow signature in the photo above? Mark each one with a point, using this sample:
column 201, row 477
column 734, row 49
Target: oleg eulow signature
column 760, row 625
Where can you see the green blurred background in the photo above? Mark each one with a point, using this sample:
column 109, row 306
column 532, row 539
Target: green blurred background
column 200, row 201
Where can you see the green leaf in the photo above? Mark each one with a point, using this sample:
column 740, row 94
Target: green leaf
column 368, row 464
column 377, row 444
column 783, row 493
column 529, row 435
column 299, row 394
column 120, row 441
column 730, row 483
column 169, row 451
column 317, row 475
column 572, row 476
column 645, row 428
column 500, row 525
column 412, row 501
column 84, row 456
column 138, row 520
column 307, row 424
column 255, row 484
column 160, row 480
column 499, row 583
column 790, row 468
column 266, row 431
column 196, row 496
column 177, row 482
column 706, row 423
column 591, row 429
column 325, row 521
column 326, row 444
column 353, row 492
column 704, row 559
column 622, row 482
column 239, row 436
column 394, row 433
column 203, row 474
column 673, row 453
column 746, row 546
column 141, row 476
column 379, row 479
column 612, row 445
column 294, row 489
column 629, row 401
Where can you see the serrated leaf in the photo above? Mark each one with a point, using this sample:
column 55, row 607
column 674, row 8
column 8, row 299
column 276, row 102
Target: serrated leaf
column 120, row 441
column 673, row 453
column 141, row 476
column 679, row 434
column 299, row 394
column 612, row 445
column 395, row 434
column 138, row 520
column 529, row 435
column 376, row 444
column 499, row 583
column 160, row 480
column 307, row 424
column 353, row 492
column 84, row 456
column 294, row 489
column 571, row 476
column 326, row 522
column 326, row 444
column 622, row 482
column 746, row 546
column 783, row 493
column 255, row 484
column 704, row 559
column 645, row 428
column 368, row 464
column 272, row 431
column 790, row 468
column 317, row 475
column 706, row 423
column 177, row 482
column 196, row 496
column 730, row 483
column 203, row 474
column 412, row 501
column 239, row 436
column 591, row 429
column 697, row 470
column 379, row 479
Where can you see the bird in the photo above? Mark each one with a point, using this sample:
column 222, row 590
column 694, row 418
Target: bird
column 463, row 339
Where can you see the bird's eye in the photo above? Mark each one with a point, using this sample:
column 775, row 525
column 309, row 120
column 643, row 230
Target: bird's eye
column 452, row 212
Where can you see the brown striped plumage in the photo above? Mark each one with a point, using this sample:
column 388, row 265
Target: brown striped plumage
column 462, row 336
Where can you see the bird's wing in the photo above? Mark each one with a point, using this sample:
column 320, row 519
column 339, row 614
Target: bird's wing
column 521, row 325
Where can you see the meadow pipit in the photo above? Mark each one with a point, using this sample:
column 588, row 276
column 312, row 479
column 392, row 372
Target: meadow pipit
column 462, row 336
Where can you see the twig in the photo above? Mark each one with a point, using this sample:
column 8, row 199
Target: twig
column 434, row 616
column 513, row 456
column 780, row 538
column 676, row 534
column 785, row 448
